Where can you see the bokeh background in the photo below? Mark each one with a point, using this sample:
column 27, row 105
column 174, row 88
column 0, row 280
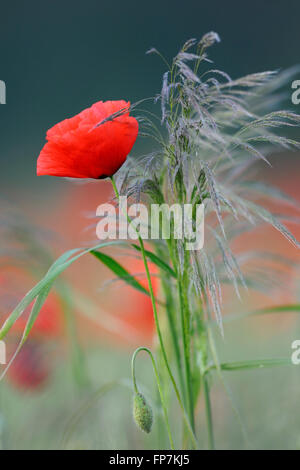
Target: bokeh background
column 58, row 58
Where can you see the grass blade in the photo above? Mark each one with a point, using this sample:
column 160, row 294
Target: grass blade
column 292, row 308
column 157, row 261
column 55, row 270
column 119, row 270
column 254, row 364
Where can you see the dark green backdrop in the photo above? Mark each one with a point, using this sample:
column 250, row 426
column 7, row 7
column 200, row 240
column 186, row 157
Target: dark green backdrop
column 58, row 57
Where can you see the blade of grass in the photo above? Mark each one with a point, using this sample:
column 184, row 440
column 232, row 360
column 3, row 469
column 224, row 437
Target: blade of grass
column 253, row 364
column 156, row 260
column 119, row 270
column 39, row 302
column 55, row 270
column 292, row 308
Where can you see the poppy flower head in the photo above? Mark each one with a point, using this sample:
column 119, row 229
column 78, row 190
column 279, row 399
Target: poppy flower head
column 92, row 144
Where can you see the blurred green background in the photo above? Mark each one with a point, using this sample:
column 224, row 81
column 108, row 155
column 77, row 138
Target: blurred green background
column 59, row 57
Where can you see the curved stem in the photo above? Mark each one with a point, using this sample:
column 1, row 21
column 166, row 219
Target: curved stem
column 158, row 386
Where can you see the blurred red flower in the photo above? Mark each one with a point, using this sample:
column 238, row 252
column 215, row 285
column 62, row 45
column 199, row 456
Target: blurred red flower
column 33, row 365
column 13, row 284
column 49, row 322
column 31, row 368
column 78, row 148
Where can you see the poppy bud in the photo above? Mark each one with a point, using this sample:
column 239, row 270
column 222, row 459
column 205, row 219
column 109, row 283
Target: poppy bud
column 142, row 413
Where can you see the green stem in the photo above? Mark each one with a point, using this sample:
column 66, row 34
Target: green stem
column 182, row 279
column 208, row 414
column 157, row 324
column 185, row 319
column 186, row 349
column 158, row 386
column 172, row 323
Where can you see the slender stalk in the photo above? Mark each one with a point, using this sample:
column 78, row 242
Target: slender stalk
column 157, row 325
column 185, row 319
column 186, row 348
column 182, row 279
column 171, row 321
column 209, row 420
column 158, row 386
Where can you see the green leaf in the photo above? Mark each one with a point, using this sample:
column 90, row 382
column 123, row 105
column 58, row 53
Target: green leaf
column 62, row 263
column 157, row 261
column 277, row 309
column 254, row 364
column 39, row 302
column 292, row 308
column 119, row 270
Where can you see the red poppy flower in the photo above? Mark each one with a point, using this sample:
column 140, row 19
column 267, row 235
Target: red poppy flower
column 81, row 148
column 30, row 369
